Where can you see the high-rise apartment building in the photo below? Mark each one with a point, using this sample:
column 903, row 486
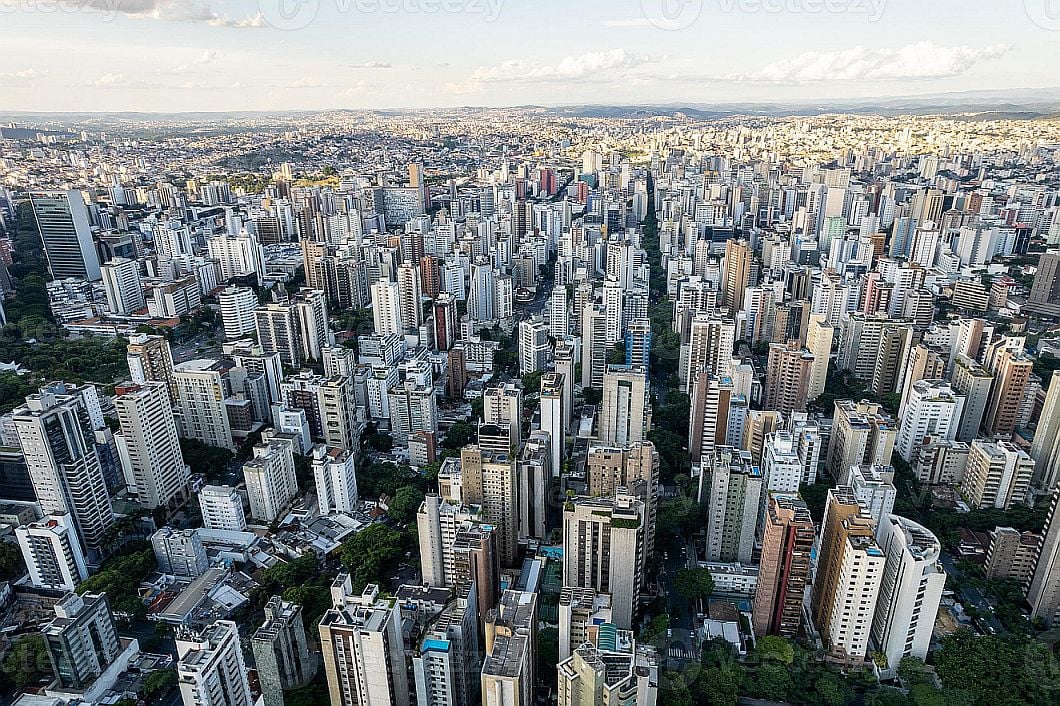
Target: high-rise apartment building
column 710, row 344
column 1012, row 370
column 280, row 651
column 222, row 508
column 150, row 360
column 861, row 435
column 1044, row 298
column 737, row 273
column 509, row 673
column 363, row 652
column 52, row 553
column 600, row 674
column 625, row 408
column 148, row 445
column 731, row 487
column 503, row 407
column 788, row 373
column 533, row 345
column 238, row 311
column 974, row 383
column 270, row 478
column 635, row 468
column 604, row 549
column 201, row 395
column 819, row 338
column 335, row 476
column 998, row 475
column 1045, row 449
column 489, row 480
column 121, row 281
column 849, row 574
column 81, row 640
column 1043, row 593
column 57, row 436
column 933, row 409
column 910, row 591
column 180, row 552
column 554, row 419
column 783, row 576
column 210, row 667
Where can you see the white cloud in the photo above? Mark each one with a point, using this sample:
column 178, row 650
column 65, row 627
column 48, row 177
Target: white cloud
column 207, row 57
column 26, row 77
column 370, row 65
column 591, row 66
column 164, row 10
column 922, row 60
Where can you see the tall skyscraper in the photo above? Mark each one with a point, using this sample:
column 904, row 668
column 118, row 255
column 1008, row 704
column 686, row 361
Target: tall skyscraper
column 57, row 436
column 788, row 374
column 66, row 234
column 594, row 345
column 625, row 408
column 509, row 674
column 1012, row 370
column 710, row 347
column 238, row 305
column 210, row 667
column 121, row 281
column 861, row 435
column 81, row 640
column 1043, row 594
column 410, row 296
column 335, row 476
column 503, row 406
column 910, row 591
column 604, row 549
column 360, row 638
column 554, row 419
column 599, row 675
column 52, row 553
column 998, row 475
column 489, row 481
column 636, row 469
column 974, row 382
column 819, row 338
column 280, row 652
column 148, row 445
column 731, row 488
column 787, row 543
column 386, row 308
column 849, row 571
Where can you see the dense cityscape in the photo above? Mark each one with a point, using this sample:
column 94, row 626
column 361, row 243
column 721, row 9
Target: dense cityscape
column 530, row 406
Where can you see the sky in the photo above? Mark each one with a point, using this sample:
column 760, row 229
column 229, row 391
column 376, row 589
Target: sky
column 227, row 55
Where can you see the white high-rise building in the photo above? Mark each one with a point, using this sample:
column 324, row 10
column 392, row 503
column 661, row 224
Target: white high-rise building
column 1045, row 450
column 271, row 480
column 604, row 549
column 998, row 475
column 933, row 409
column 413, row 408
column 121, row 281
column 148, row 445
column 594, row 345
column 238, row 305
column 57, row 436
column 874, row 488
column 625, row 407
column 503, row 406
column 558, row 313
column 597, row 676
column 363, row 652
column 336, row 480
column 910, row 591
column 819, row 342
column 82, row 642
column 66, row 234
column 210, row 667
column 614, row 296
column 237, row 255
column 386, row 308
column 52, row 553
column 201, row 394
column 222, row 508
column 533, row 346
column 553, row 419
column 781, row 465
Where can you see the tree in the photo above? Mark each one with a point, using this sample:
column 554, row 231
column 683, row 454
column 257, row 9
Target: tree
column 405, row 504
column 12, row 565
column 772, row 648
column 460, row 434
column 532, row 382
column 27, row 662
column 213, row 461
column 369, row 553
column 694, row 584
column 719, row 686
column 592, row 395
column 158, row 683
column 992, row 669
column 772, row 681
